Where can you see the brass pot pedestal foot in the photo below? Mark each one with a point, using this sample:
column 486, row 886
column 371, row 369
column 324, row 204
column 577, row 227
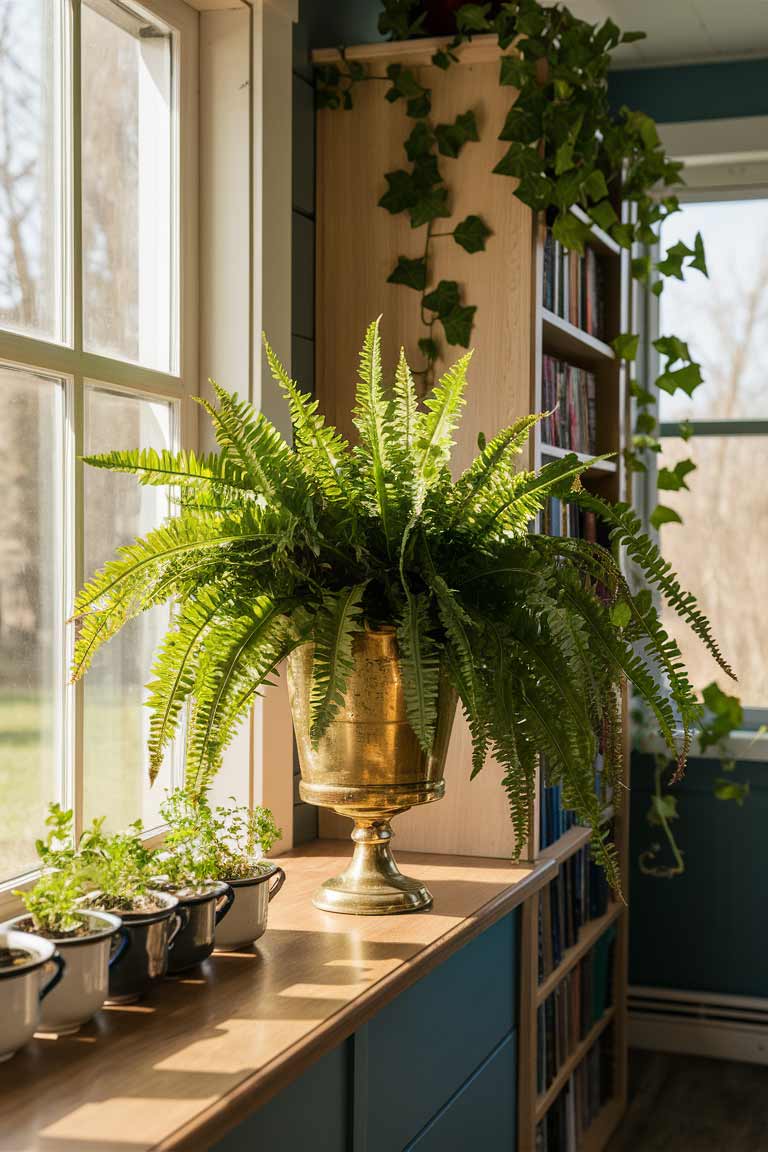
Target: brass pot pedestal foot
column 372, row 884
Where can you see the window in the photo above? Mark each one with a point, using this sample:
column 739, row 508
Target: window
column 721, row 549
column 95, row 352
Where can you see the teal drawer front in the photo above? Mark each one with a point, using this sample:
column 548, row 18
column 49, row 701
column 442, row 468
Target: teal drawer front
column 428, row 1042
column 482, row 1117
column 311, row 1113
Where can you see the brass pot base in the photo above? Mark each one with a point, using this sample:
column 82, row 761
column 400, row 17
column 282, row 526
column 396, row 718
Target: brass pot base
column 372, row 884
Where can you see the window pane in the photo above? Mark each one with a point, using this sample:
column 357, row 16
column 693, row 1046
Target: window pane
column 127, row 186
column 724, row 318
column 31, row 612
column 30, row 167
column 721, row 554
column 117, row 510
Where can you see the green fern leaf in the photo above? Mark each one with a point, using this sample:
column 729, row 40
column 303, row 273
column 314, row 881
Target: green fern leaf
column 420, row 667
column 494, row 457
column 435, row 427
column 335, row 626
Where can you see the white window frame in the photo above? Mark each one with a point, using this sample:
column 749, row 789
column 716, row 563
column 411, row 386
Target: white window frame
column 724, row 160
column 230, row 292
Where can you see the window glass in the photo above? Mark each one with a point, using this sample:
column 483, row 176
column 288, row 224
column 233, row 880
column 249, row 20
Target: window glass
column 117, row 510
column 127, row 172
column 721, row 555
column 31, row 237
column 32, row 660
column 724, row 319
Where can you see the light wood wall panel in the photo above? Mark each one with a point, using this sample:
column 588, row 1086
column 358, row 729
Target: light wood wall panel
column 357, row 246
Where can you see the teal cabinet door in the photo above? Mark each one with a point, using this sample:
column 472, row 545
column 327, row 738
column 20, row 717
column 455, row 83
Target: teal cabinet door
column 482, row 1116
column 311, row 1113
column 428, row 1042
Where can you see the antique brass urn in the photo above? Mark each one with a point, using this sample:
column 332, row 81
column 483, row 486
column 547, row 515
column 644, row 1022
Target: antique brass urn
column 369, row 765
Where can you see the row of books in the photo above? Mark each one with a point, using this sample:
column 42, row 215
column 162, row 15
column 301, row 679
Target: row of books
column 568, row 394
column 580, row 999
column 562, row 519
column 581, row 1100
column 578, row 894
column 554, row 819
column 574, row 286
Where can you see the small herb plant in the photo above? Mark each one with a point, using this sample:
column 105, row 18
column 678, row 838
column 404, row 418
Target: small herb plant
column 274, row 548
column 52, row 902
column 205, row 843
column 117, row 867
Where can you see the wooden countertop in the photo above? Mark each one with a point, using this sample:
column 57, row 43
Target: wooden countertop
column 181, row 1067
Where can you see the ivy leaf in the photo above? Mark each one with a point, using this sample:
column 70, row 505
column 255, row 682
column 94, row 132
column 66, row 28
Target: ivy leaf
column 657, row 287
column 535, row 191
column 673, row 347
column 603, row 214
column 521, row 126
column 473, row 18
column 686, row 379
column 519, row 160
column 356, row 70
column 686, row 430
column 513, row 72
column 621, row 614
column 642, row 395
column 571, row 232
column 472, row 233
column 623, row 234
column 328, row 75
column 401, row 193
column 663, row 515
column 442, row 60
column 452, row 137
column 419, row 106
column 625, row 345
column 672, row 265
column 631, row 37
column 404, row 84
column 595, row 185
column 632, row 461
column 699, row 259
column 420, row 141
column 663, row 808
column 724, row 789
column 641, row 268
column 645, row 423
column 430, row 206
column 428, row 347
column 457, row 324
column 412, row 273
column 724, row 714
column 442, row 299
column 673, row 479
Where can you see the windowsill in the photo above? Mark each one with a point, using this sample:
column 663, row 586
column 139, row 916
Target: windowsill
column 744, row 745
column 200, row 1053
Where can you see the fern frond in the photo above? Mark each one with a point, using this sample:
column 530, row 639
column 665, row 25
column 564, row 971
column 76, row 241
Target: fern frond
column 234, row 663
column 335, row 626
column 324, row 454
column 435, row 427
column 372, row 416
column 420, row 667
column 173, row 468
column 495, row 456
column 174, row 670
column 626, row 531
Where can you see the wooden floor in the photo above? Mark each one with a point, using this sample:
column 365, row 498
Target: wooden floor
column 693, row 1104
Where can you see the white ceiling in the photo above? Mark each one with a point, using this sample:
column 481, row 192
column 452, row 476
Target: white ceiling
column 684, row 31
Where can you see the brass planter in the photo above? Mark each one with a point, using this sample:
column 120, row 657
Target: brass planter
column 369, row 766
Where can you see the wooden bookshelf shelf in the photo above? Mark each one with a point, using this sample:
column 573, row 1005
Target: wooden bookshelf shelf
column 600, row 1130
column 599, row 240
column 545, row 1101
column 572, row 840
column 566, row 341
column 588, row 937
column 553, row 453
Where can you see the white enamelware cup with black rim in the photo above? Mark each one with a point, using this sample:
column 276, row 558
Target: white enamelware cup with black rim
column 150, row 935
column 23, row 986
column 247, row 919
column 85, row 982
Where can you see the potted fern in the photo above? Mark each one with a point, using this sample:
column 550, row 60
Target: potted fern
column 394, row 589
column 88, row 941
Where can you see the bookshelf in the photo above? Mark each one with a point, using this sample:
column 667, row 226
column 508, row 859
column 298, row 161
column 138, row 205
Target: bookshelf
column 357, row 243
column 557, row 337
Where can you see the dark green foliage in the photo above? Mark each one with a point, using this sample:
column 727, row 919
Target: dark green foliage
column 315, row 544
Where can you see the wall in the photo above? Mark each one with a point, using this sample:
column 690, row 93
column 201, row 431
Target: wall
column 694, row 92
column 321, row 24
